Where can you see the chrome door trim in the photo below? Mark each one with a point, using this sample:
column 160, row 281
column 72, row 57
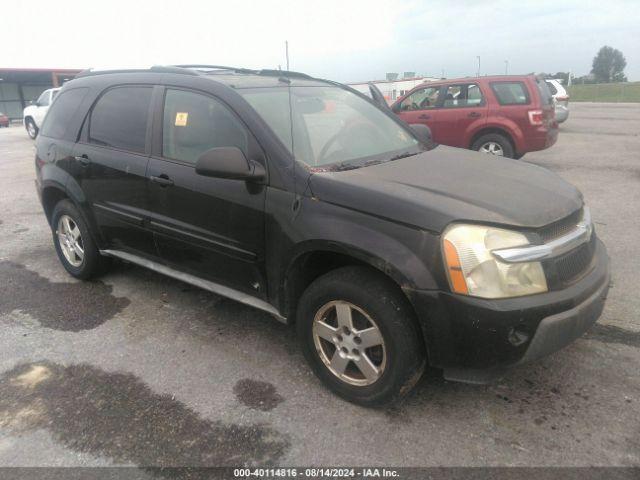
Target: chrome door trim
column 198, row 282
column 581, row 234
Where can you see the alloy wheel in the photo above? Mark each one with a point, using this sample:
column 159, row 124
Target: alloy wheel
column 70, row 240
column 493, row 148
column 349, row 343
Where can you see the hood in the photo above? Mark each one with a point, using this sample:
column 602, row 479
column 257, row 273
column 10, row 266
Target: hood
column 446, row 184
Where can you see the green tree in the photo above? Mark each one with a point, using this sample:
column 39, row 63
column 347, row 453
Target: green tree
column 608, row 65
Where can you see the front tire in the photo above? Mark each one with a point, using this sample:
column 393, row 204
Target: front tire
column 74, row 244
column 359, row 335
column 32, row 129
column 494, row 144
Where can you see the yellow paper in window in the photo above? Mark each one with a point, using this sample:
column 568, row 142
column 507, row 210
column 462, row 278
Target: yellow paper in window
column 181, row 119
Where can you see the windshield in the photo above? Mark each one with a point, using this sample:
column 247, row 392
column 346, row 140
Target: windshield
column 327, row 126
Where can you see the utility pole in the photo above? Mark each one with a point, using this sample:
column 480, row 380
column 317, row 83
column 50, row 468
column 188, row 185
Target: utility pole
column 506, row 67
column 478, row 57
column 442, row 73
column 286, row 50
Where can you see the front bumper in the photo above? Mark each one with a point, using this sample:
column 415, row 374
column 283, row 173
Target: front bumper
column 474, row 339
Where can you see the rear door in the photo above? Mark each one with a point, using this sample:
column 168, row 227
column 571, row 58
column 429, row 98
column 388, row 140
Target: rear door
column 209, row 227
column 113, row 154
column 464, row 109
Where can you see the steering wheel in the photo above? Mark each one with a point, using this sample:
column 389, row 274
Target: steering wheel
column 353, row 130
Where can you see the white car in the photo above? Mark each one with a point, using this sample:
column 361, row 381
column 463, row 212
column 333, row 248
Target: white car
column 34, row 114
column 560, row 99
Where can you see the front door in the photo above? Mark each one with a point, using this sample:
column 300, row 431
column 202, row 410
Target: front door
column 209, row 227
column 112, row 156
column 421, row 106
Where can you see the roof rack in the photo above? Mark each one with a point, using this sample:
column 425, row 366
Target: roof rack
column 206, row 68
column 264, row 71
column 152, row 69
column 194, row 69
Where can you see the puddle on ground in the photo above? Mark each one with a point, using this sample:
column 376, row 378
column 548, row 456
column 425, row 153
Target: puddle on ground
column 612, row 334
column 61, row 306
column 115, row 415
column 257, row 395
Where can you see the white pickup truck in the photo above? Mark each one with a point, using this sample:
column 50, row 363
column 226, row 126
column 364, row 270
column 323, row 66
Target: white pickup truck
column 34, row 114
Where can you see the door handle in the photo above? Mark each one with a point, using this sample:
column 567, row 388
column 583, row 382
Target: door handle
column 424, row 116
column 474, row 115
column 162, row 180
column 83, row 159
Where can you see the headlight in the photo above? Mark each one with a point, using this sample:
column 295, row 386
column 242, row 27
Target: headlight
column 474, row 270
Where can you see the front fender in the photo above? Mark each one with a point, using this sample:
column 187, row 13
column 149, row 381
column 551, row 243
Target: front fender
column 371, row 246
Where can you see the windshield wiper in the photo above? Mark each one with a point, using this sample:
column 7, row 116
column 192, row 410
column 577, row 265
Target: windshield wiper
column 347, row 165
column 404, row 155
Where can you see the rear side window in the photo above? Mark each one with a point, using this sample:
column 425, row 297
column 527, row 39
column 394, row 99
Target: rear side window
column 511, row 93
column 62, row 112
column 194, row 123
column 462, row 96
column 119, row 119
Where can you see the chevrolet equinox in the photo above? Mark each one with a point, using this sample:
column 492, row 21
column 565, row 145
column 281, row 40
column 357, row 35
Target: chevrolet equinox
column 306, row 199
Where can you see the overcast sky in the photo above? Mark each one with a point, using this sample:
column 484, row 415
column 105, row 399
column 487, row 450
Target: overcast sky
column 345, row 40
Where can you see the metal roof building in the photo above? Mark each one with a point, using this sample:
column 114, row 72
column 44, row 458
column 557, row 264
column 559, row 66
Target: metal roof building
column 19, row 86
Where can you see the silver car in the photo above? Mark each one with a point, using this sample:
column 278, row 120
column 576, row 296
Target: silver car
column 560, row 99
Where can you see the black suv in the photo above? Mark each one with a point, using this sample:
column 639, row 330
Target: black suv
column 308, row 200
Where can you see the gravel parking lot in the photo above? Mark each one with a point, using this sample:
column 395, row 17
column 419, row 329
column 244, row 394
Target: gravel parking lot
column 139, row 369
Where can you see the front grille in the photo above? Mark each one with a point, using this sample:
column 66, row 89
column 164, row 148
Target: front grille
column 575, row 264
column 561, row 227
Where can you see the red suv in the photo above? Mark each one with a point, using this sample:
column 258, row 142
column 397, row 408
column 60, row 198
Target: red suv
column 501, row 115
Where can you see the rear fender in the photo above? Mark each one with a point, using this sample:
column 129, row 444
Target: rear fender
column 508, row 126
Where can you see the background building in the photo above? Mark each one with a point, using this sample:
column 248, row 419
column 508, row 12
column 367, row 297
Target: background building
column 19, row 86
column 393, row 87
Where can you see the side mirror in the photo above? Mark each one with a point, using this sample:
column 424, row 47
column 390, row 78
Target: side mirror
column 422, row 132
column 396, row 107
column 228, row 162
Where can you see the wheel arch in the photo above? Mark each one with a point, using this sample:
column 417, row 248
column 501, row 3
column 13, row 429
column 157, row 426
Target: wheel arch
column 316, row 258
column 510, row 134
column 53, row 192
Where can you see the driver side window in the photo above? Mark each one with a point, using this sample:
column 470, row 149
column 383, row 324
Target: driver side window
column 421, row 99
column 43, row 99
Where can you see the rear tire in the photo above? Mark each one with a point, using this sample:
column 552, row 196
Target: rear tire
column 32, row 129
column 495, row 144
column 337, row 351
column 74, row 244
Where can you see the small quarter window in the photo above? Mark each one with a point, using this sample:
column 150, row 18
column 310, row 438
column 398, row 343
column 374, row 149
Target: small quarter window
column 62, row 112
column 194, row 123
column 119, row 119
